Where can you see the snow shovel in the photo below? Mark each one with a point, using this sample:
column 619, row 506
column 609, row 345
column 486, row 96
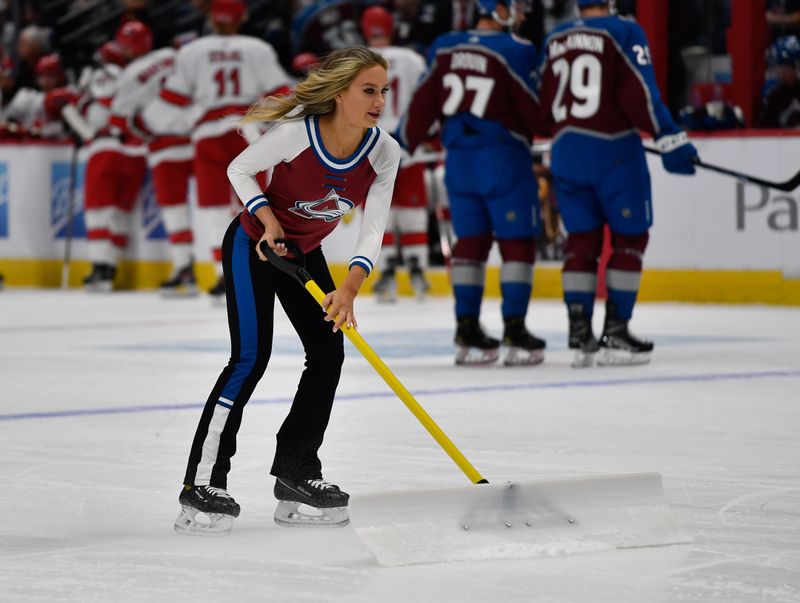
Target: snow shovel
column 509, row 520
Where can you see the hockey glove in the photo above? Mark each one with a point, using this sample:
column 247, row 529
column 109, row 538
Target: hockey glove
column 677, row 153
column 56, row 100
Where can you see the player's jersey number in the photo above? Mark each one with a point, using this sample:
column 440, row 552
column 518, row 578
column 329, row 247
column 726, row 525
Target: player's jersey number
column 583, row 77
column 481, row 87
column 227, row 81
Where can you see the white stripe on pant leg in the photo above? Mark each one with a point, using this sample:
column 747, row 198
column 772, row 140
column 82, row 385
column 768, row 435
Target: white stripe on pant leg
column 211, row 445
column 623, row 280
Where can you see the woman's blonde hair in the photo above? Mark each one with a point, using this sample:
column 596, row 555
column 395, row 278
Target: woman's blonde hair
column 316, row 94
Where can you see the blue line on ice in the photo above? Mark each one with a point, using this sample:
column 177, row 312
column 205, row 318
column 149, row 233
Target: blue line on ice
column 443, row 391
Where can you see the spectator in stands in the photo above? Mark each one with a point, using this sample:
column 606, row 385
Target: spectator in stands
column 32, row 44
column 783, row 17
column 781, row 102
column 7, row 31
column 303, row 63
column 326, row 25
column 420, row 22
column 8, row 85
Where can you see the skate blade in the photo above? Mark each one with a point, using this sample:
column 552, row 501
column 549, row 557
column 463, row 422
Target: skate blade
column 421, row 292
column 466, row 356
column 610, row 357
column 188, row 524
column 385, row 299
column 99, row 288
column 219, row 301
column 520, row 357
column 289, row 514
column 181, row 292
column 583, row 359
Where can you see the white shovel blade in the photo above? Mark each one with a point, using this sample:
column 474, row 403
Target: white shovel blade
column 527, row 519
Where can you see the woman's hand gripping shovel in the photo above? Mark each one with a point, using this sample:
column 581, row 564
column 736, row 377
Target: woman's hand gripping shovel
column 519, row 519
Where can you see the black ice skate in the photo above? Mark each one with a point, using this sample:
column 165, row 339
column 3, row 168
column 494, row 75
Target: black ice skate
column 618, row 346
column 215, row 503
column 581, row 337
column 218, row 292
column 473, row 346
column 181, row 284
column 523, row 348
column 419, row 283
column 310, row 503
column 385, row 289
column 101, row 278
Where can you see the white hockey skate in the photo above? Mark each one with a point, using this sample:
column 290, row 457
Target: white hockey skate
column 311, row 503
column 206, row 511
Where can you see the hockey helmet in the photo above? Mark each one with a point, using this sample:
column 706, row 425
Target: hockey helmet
column 587, row 3
column 7, row 67
column 784, row 51
column 377, row 22
column 488, row 8
column 227, row 11
column 135, row 38
column 49, row 66
column 112, row 53
column 304, row 62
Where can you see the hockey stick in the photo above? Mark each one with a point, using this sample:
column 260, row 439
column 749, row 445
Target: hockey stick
column 787, row 186
column 73, row 168
column 304, row 278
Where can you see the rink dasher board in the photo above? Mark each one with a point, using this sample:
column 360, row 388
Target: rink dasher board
column 516, row 520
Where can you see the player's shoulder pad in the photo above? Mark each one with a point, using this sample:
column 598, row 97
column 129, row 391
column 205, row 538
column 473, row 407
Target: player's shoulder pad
column 447, row 40
column 578, row 22
column 520, row 40
column 622, row 28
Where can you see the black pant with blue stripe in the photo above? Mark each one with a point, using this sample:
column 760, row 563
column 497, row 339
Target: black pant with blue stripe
column 252, row 286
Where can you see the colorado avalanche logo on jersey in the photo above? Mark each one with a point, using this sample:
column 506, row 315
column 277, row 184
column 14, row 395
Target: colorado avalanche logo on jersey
column 330, row 208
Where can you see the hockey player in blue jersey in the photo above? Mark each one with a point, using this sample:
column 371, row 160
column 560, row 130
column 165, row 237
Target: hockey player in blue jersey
column 597, row 90
column 478, row 87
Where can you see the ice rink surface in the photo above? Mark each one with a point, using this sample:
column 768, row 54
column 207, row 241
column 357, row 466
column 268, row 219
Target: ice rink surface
column 101, row 396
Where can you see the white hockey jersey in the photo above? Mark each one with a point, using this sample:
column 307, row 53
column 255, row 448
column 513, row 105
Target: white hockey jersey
column 26, row 109
column 222, row 76
column 139, row 84
column 102, row 86
column 405, row 68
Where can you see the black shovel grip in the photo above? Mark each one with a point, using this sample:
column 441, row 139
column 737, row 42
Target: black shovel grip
column 294, row 270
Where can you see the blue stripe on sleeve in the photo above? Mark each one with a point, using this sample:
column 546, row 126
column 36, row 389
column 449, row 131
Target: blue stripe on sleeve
column 362, row 263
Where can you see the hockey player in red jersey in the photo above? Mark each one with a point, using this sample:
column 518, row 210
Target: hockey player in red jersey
column 169, row 156
column 405, row 241
column 328, row 156
column 218, row 76
column 28, row 114
column 114, row 172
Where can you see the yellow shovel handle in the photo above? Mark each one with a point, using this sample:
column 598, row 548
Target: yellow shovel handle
column 398, row 388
